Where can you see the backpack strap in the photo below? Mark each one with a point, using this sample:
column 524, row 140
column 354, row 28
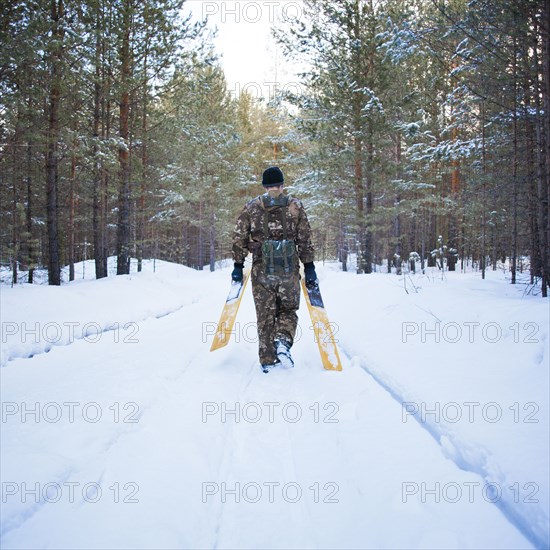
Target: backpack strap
column 266, row 224
column 283, row 221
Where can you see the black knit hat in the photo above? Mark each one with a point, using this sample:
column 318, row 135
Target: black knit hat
column 272, row 177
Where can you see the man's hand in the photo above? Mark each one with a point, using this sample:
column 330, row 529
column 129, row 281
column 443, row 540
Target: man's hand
column 309, row 272
column 237, row 273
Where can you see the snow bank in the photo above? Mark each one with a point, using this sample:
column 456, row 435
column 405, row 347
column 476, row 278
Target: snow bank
column 37, row 317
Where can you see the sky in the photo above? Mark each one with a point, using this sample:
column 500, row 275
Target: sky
column 249, row 55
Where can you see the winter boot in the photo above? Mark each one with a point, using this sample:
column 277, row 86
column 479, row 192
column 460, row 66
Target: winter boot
column 267, row 368
column 282, row 348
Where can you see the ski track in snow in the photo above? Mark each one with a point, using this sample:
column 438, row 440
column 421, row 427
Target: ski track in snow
column 19, row 520
column 226, row 460
column 105, row 447
column 467, row 457
column 242, row 438
column 46, row 347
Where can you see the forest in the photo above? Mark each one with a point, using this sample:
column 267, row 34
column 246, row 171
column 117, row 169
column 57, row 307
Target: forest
column 419, row 135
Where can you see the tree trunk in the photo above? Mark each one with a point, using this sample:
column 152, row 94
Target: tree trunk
column 98, row 219
column 143, row 183
column 545, row 191
column 368, row 257
column 212, row 237
column 72, row 200
column 28, row 216
column 515, row 171
column 342, row 246
column 359, row 214
column 200, row 244
column 483, row 190
column 452, row 241
column 542, row 167
column 52, row 161
column 123, row 226
column 14, row 214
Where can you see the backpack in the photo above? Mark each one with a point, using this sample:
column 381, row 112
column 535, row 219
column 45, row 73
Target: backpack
column 279, row 256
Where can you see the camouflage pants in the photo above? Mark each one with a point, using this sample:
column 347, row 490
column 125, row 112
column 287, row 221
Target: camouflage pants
column 277, row 298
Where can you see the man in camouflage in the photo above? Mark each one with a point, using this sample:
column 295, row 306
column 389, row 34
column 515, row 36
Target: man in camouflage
column 274, row 227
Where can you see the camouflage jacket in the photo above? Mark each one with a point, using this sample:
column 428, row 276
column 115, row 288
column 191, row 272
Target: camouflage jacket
column 250, row 228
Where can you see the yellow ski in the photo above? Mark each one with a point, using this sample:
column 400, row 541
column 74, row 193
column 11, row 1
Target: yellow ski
column 229, row 312
column 321, row 327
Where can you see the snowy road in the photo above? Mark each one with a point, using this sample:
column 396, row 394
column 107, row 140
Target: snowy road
column 144, row 439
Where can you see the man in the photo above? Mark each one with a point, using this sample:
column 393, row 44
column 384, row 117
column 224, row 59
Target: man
column 274, row 227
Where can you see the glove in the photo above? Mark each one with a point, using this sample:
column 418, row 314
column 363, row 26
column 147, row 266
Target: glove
column 309, row 272
column 254, row 246
column 237, row 273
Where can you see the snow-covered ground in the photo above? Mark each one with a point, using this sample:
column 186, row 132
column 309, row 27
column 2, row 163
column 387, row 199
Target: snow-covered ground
column 129, row 433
